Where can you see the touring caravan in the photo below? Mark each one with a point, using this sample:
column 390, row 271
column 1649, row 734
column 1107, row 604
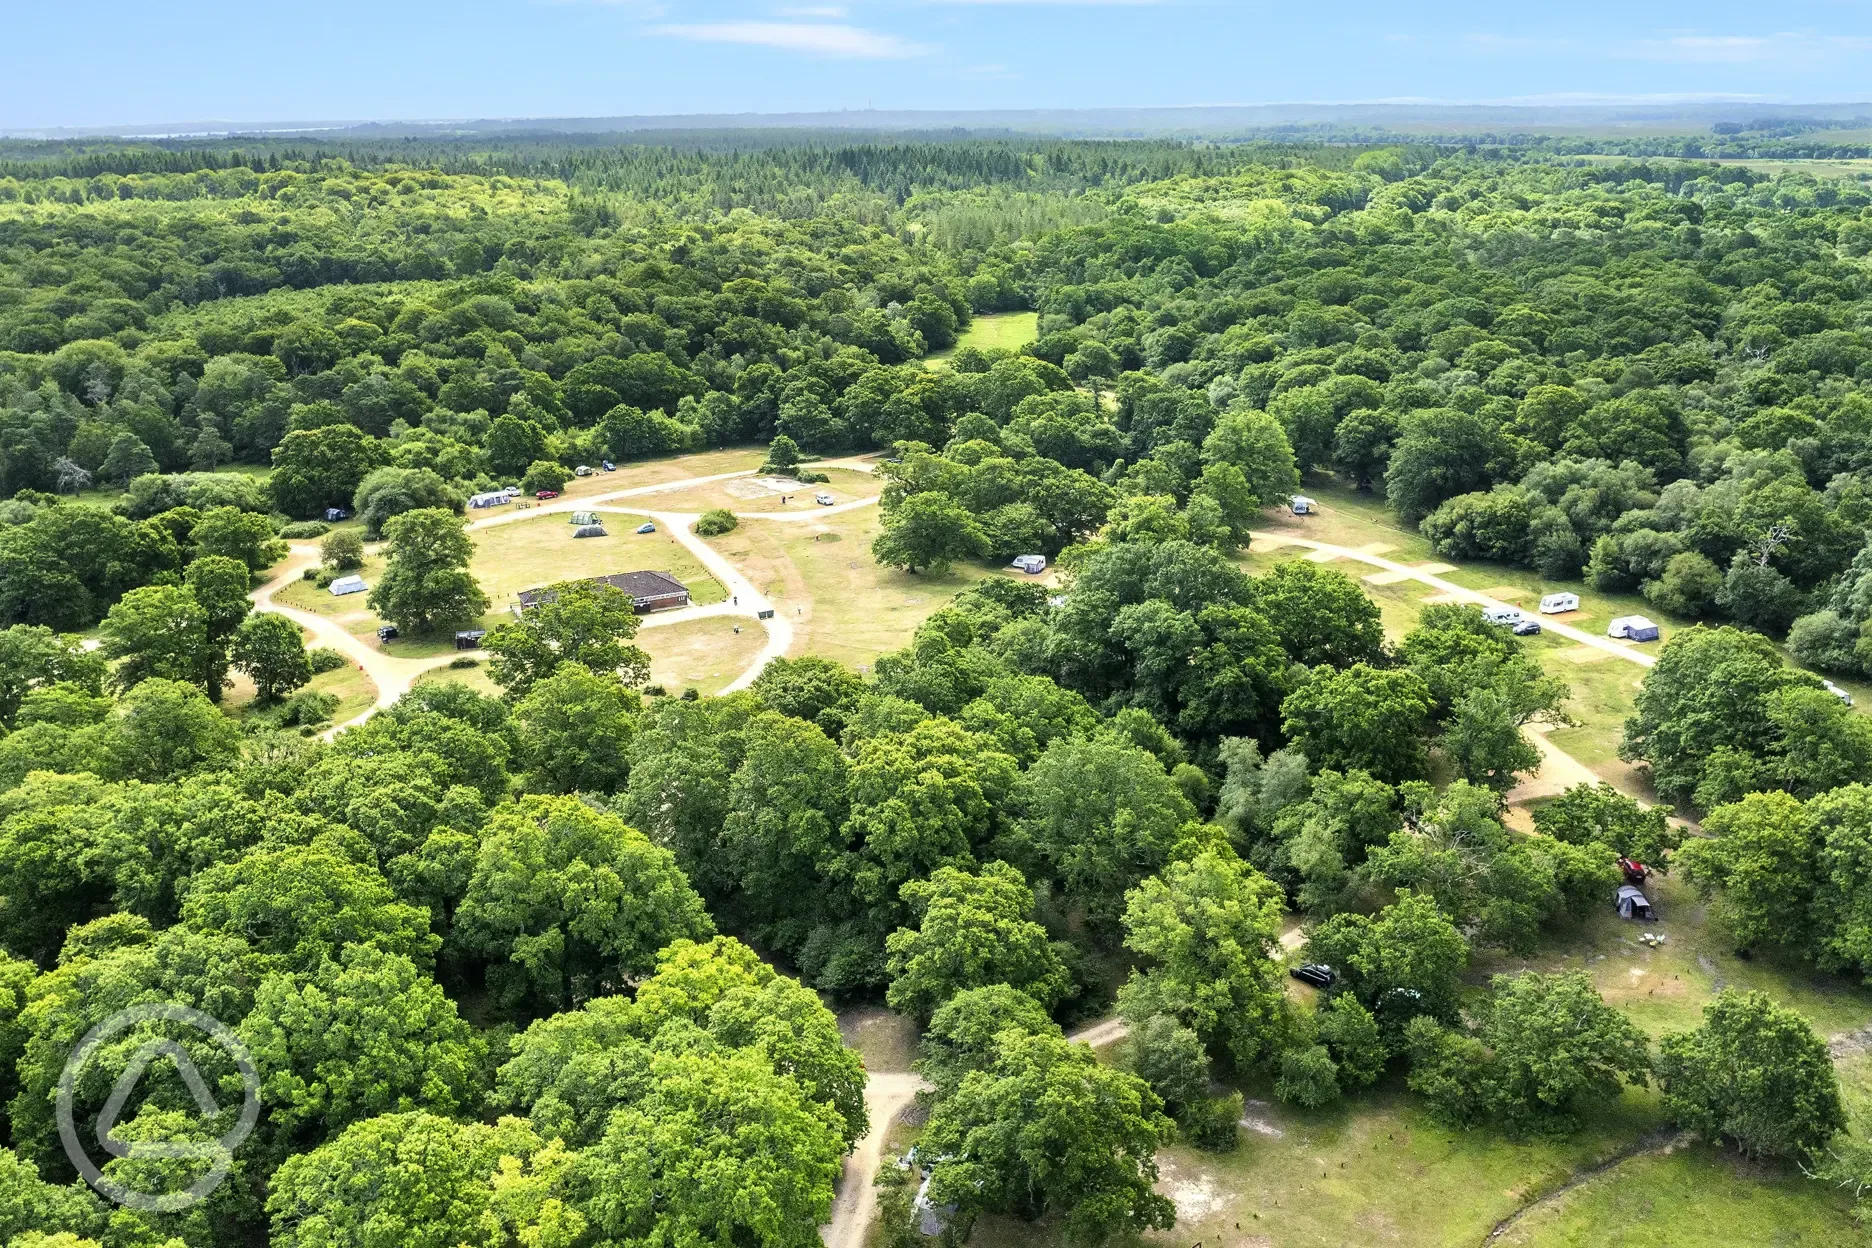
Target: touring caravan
column 1033, row 565
column 1501, row 615
column 1554, row 604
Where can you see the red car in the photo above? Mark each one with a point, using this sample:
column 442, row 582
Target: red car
column 543, row 495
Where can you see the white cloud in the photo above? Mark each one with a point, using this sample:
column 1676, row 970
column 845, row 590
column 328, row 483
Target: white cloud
column 1744, row 49
column 823, row 38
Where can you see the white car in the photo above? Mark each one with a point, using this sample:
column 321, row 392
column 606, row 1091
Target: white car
column 822, row 498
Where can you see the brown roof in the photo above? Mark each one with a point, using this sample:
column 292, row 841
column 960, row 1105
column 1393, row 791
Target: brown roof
column 641, row 586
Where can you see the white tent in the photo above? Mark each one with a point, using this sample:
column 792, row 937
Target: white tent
column 348, row 585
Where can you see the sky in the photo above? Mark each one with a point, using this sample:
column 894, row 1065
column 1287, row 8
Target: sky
column 111, row 62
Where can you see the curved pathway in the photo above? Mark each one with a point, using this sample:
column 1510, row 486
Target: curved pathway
column 1457, row 593
column 392, row 674
column 855, row 1206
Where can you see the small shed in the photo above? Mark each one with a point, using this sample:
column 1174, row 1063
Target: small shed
column 1302, row 505
column 1554, row 604
column 1633, row 904
column 470, row 638
column 584, row 517
column 1032, row 565
column 348, row 585
column 590, row 530
column 1632, row 628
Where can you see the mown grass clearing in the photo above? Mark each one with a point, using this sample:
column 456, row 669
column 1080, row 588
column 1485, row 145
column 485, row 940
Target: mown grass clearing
column 991, row 331
column 845, row 486
column 702, row 654
column 842, row 605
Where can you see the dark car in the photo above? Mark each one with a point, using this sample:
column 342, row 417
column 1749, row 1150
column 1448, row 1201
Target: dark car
column 608, row 466
column 1316, row 973
column 1527, row 628
column 388, row 633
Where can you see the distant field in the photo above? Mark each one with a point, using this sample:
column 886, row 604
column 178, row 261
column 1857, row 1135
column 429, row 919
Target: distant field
column 845, row 486
column 1008, row 331
column 531, row 553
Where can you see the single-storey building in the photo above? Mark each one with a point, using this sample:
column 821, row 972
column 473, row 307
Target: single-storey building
column 348, row 585
column 649, row 591
column 470, row 638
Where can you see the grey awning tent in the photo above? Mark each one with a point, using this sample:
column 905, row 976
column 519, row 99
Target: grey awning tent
column 1633, row 904
column 590, row 530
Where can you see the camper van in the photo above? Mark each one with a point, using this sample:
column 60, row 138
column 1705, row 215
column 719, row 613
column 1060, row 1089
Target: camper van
column 1632, row 628
column 1501, row 615
column 1837, row 692
column 1554, row 604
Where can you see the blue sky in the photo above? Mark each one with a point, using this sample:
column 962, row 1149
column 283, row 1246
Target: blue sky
column 101, row 62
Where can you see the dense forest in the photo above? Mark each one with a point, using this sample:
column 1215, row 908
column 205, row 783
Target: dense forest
column 552, row 967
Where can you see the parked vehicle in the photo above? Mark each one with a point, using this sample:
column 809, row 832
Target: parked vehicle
column 543, row 495
column 1316, row 973
column 1527, row 628
column 1837, row 692
column 822, row 498
column 1554, row 604
column 388, row 633
column 646, row 527
column 581, row 471
column 608, row 466
column 1502, row 615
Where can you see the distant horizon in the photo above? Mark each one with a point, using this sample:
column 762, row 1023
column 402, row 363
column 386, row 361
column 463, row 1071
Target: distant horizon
column 1175, row 117
column 112, row 65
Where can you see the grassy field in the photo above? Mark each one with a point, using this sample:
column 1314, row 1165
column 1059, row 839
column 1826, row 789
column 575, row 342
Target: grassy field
column 842, row 604
column 530, row 553
column 702, row 654
column 845, row 486
column 1006, row 331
